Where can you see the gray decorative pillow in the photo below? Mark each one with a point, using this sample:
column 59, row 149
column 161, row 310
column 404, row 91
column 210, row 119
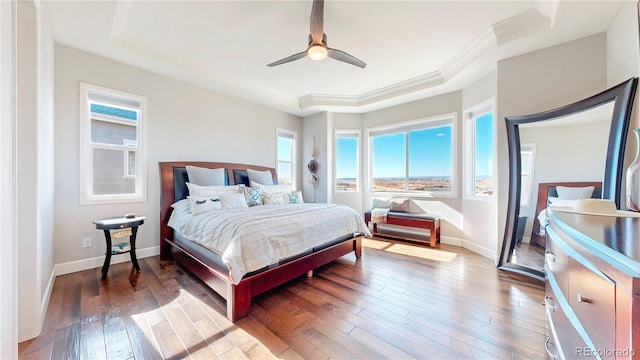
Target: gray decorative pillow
column 261, row 177
column 253, row 196
column 204, row 176
column 399, row 204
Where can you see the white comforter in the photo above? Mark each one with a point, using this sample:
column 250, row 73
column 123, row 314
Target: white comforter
column 251, row 238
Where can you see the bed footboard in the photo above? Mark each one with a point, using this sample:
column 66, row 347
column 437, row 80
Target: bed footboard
column 238, row 296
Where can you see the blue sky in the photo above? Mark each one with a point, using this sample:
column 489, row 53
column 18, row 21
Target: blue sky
column 484, row 145
column 429, row 152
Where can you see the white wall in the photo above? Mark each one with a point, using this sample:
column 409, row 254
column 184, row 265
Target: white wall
column 34, row 166
column 45, row 157
column 318, row 126
column 184, row 122
column 8, row 243
column 544, row 80
column 480, row 221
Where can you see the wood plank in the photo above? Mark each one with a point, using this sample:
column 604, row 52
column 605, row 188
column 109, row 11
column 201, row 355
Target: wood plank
column 66, row 343
column 387, row 305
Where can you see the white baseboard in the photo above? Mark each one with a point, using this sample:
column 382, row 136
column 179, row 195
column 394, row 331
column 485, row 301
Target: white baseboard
column 488, row 253
column 44, row 303
column 451, row 240
column 92, row 263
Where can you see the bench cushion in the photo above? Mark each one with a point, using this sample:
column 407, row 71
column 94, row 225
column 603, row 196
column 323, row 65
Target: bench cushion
column 406, row 215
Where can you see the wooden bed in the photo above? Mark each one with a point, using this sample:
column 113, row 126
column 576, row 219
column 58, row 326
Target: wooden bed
column 545, row 190
column 238, row 296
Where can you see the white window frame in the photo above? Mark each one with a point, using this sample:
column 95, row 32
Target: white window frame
column 87, row 197
column 357, row 134
column 294, row 161
column 125, row 154
column 470, row 116
column 413, row 123
column 526, row 191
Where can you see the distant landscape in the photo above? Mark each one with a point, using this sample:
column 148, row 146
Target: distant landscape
column 484, row 185
column 429, row 183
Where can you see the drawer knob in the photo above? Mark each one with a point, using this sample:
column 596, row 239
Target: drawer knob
column 550, row 256
column 584, row 299
column 549, row 302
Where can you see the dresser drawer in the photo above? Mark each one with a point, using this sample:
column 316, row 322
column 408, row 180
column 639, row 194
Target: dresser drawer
column 556, row 262
column 592, row 297
column 563, row 341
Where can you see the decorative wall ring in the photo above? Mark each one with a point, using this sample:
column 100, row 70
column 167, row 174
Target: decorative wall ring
column 313, row 180
column 313, row 166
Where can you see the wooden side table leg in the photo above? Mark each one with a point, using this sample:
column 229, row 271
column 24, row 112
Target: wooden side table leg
column 132, row 253
column 107, row 258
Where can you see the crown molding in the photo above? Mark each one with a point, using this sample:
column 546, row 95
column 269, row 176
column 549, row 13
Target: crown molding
column 527, row 23
column 539, row 18
column 535, row 20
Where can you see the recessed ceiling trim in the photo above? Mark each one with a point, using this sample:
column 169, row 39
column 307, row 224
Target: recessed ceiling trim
column 468, row 55
column 527, row 23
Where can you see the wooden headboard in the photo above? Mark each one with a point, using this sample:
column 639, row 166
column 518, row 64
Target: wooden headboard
column 545, row 190
column 173, row 179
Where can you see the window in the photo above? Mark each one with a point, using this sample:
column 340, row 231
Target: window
column 112, row 157
column 527, row 161
column 413, row 157
column 286, row 156
column 347, row 160
column 479, row 145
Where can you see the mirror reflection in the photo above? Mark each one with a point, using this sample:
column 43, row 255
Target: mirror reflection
column 556, row 157
column 568, row 150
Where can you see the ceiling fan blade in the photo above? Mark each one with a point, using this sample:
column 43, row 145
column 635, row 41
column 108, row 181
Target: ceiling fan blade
column 317, row 21
column 293, row 57
column 343, row 56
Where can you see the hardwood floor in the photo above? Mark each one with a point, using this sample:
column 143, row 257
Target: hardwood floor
column 399, row 301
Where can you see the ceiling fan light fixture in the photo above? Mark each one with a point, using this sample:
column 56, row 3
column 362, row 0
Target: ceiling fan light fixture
column 317, row 52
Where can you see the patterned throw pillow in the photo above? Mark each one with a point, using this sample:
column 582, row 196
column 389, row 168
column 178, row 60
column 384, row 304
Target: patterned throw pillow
column 295, row 197
column 274, row 198
column 253, row 196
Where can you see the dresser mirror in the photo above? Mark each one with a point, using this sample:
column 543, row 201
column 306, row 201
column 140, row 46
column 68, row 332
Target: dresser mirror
column 580, row 142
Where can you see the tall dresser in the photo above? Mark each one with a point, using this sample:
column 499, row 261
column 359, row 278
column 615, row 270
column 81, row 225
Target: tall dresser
column 592, row 300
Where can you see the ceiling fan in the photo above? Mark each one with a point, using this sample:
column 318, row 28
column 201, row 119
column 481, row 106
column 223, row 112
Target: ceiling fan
column 318, row 49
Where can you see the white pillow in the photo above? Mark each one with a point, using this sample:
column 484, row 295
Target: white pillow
column 204, row 176
column 574, row 193
column 202, row 204
column 233, row 200
column 554, row 201
column 263, row 177
column 197, row 190
column 378, row 203
column 283, row 188
column 181, row 204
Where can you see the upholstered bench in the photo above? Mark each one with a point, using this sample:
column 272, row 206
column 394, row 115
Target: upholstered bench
column 415, row 220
